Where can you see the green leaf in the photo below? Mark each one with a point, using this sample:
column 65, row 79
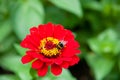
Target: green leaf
column 95, row 21
column 100, row 66
column 6, row 44
column 72, row 6
column 106, row 43
column 5, row 29
column 65, row 75
column 20, row 50
column 108, row 34
column 58, row 16
column 55, row 15
column 119, row 63
column 8, row 77
column 117, row 48
column 92, row 5
column 33, row 73
column 28, row 14
column 94, row 45
column 113, row 76
column 13, row 63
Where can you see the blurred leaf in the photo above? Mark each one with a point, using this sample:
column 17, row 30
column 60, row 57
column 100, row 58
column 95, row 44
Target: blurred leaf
column 117, row 48
column 109, row 34
column 55, row 15
column 3, row 8
column 20, row 50
column 7, row 44
column 94, row 45
column 13, row 63
column 8, row 77
column 65, row 75
column 107, row 7
column 91, row 5
column 113, row 76
column 33, row 73
column 106, row 43
column 72, row 6
column 58, row 16
column 5, row 29
column 95, row 20
column 28, row 14
column 119, row 63
column 100, row 66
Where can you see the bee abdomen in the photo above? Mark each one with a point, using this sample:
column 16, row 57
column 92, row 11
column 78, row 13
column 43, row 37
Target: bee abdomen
column 60, row 45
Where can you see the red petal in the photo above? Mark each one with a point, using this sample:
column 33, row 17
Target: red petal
column 71, row 49
column 49, row 29
column 65, row 64
column 47, row 60
column 68, row 52
column 43, row 70
column 50, row 61
column 56, row 69
column 25, row 59
column 69, row 35
column 35, row 35
column 28, row 43
column 73, row 44
column 32, row 40
column 59, row 32
column 34, row 54
column 67, row 59
column 75, row 60
column 58, row 61
column 42, row 31
column 37, row 64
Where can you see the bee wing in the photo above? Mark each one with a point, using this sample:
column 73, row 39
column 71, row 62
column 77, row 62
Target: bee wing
column 63, row 42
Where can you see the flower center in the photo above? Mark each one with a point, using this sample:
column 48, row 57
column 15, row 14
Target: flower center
column 48, row 47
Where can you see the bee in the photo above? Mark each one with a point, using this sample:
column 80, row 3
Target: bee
column 61, row 45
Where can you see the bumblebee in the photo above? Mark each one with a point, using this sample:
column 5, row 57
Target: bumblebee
column 60, row 46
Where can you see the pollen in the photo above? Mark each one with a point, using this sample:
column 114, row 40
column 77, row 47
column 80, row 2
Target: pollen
column 48, row 47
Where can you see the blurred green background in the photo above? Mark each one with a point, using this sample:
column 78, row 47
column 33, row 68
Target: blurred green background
column 95, row 24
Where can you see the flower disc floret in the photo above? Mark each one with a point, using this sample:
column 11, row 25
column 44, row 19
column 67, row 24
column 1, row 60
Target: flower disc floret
column 48, row 47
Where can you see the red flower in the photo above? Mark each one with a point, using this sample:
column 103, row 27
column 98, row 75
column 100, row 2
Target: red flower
column 50, row 45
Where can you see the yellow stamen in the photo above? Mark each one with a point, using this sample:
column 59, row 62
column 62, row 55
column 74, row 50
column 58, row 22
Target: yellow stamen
column 49, row 52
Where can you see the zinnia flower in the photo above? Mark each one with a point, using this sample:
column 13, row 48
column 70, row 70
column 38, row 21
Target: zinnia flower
column 50, row 45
